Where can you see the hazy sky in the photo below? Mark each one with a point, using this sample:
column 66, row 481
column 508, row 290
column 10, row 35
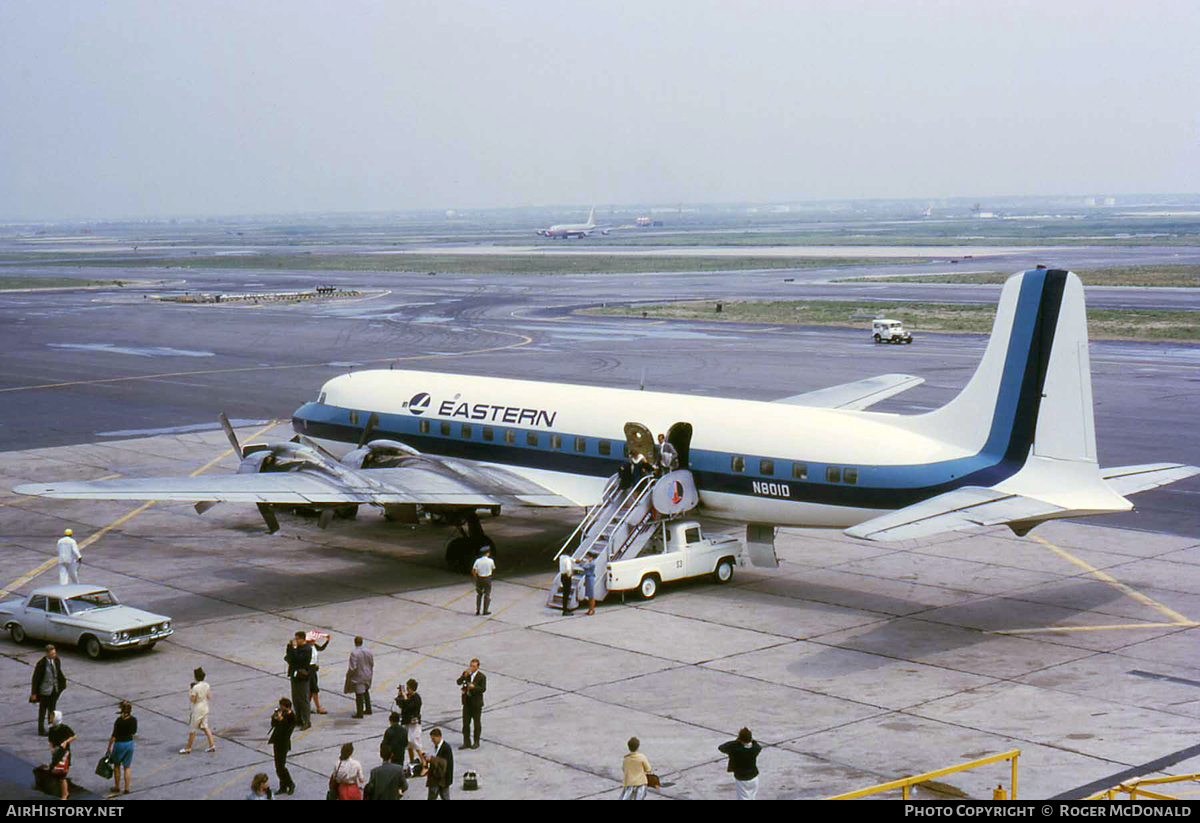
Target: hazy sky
column 114, row 109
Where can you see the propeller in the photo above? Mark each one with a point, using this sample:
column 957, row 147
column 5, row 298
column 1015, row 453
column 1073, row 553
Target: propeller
column 372, row 422
column 229, row 432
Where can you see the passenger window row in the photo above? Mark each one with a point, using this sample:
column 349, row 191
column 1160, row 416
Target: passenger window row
column 488, row 433
column 833, row 474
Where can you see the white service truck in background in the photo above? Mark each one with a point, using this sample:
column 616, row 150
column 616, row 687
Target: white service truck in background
column 889, row 331
column 678, row 550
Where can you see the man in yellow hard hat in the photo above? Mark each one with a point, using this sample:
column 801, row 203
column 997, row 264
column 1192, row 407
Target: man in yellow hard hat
column 68, row 559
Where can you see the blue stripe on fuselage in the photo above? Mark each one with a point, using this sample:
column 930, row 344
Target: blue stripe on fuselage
column 1009, row 438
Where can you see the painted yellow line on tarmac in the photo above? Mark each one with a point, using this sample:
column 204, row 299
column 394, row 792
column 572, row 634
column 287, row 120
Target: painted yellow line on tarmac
column 1119, row 586
column 525, row 340
column 1185, row 623
column 241, row 775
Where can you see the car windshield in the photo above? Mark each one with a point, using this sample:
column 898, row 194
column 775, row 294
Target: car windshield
column 92, row 600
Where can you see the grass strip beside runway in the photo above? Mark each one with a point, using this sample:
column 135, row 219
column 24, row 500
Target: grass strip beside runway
column 1185, row 275
column 1103, row 324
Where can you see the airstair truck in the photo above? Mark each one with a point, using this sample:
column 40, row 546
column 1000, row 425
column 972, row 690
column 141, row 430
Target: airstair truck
column 678, row 550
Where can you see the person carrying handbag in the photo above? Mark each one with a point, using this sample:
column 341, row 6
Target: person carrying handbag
column 347, row 779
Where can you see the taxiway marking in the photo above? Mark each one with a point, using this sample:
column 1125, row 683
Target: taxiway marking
column 1177, row 619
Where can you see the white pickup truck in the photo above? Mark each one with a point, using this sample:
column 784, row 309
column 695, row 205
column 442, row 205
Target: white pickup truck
column 677, row 550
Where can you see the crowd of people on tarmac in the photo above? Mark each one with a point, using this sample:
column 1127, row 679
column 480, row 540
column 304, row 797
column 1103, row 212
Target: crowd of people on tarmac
column 402, row 750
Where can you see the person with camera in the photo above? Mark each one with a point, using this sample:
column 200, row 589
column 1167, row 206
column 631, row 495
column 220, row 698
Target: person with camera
column 299, row 662
column 283, row 723
column 474, row 684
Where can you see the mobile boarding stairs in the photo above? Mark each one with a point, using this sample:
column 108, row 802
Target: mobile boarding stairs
column 620, row 525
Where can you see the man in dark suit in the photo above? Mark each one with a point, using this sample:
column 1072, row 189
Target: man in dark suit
column 48, row 683
column 283, row 721
column 387, row 781
column 441, row 774
column 474, row 684
column 299, row 661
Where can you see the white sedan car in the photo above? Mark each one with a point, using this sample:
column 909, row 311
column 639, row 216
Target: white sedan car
column 90, row 617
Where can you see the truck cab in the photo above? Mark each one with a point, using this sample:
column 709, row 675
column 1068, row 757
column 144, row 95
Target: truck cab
column 679, row 549
column 889, row 331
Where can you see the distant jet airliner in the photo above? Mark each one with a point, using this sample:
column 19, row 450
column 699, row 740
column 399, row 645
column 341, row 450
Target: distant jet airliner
column 1016, row 447
column 566, row 230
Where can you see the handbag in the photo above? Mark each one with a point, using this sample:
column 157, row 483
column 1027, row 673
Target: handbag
column 332, row 793
column 104, row 768
column 652, row 781
column 62, row 765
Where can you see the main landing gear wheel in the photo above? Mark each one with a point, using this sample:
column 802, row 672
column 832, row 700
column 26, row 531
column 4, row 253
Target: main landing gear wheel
column 460, row 554
column 462, row 551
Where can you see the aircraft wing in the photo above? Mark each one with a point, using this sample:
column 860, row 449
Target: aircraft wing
column 1127, row 480
column 966, row 508
column 856, row 395
column 421, row 480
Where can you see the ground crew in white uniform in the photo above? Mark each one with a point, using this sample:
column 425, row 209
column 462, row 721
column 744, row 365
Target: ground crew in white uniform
column 68, row 559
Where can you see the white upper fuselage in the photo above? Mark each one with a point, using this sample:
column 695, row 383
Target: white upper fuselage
column 570, row 230
column 743, row 453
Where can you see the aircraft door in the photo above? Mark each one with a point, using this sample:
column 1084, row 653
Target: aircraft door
column 680, row 436
column 640, row 441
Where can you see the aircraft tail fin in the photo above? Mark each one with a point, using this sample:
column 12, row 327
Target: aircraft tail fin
column 591, row 221
column 1032, row 392
column 1027, row 411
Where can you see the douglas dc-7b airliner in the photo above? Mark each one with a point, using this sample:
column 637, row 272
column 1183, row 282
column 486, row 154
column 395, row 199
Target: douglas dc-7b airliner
column 1016, row 446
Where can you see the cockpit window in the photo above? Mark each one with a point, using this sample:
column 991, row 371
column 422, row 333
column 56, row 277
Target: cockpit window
column 321, row 399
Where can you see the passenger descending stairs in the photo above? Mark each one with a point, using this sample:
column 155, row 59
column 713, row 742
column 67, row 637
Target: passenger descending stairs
column 619, row 526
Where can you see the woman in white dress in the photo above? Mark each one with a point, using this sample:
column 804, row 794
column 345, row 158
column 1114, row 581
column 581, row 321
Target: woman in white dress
column 198, row 695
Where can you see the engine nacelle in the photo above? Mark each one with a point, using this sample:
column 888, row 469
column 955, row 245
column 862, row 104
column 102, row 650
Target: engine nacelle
column 375, row 452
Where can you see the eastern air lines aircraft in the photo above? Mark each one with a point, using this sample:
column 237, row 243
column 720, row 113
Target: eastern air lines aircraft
column 568, row 230
column 1017, row 446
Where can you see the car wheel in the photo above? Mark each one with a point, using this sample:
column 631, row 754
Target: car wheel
column 17, row 633
column 91, row 647
column 909, row 340
column 724, row 571
column 877, row 338
column 649, row 587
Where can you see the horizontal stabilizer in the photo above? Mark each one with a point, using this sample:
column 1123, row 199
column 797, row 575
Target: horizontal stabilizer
column 966, row 508
column 1126, row 480
column 856, row 395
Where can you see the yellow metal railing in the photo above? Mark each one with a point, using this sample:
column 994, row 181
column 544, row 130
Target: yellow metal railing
column 1134, row 789
column 905, row 783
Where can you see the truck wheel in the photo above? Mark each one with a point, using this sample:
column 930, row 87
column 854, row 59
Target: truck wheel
column 649, row 587
column 17, row 633
column 724, row 571
column 909, row 340
column 877, row 338
column 91, row 647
